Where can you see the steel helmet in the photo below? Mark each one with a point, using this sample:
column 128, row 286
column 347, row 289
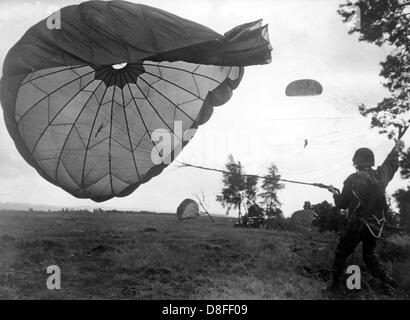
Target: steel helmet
column 363, row 157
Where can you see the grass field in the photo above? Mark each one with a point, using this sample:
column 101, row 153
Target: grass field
column 152, row 256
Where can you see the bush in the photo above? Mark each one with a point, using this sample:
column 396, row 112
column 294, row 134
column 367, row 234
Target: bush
column 278, row 223
column 395, row 251
column 329, row 218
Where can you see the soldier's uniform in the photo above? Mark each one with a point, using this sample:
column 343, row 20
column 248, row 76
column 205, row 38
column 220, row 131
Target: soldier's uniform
column 363, row 195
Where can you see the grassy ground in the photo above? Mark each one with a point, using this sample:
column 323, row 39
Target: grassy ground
column 152, row 256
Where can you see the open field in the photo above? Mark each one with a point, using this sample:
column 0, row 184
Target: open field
column 152, row 256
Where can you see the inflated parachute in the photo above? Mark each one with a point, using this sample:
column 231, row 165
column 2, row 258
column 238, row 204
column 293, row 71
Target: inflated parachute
column 301, row 220
column 82, row 102
column 303, row 87
column 188, row 209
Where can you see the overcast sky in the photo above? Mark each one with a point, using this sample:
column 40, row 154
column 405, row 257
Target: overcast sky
column 259, row 125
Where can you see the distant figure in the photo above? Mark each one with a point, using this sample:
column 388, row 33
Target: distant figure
column 363, row 195
column 307, row 205
column 306, row 143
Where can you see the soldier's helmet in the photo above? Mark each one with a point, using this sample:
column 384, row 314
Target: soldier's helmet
column 307, row 205
column 363, row 157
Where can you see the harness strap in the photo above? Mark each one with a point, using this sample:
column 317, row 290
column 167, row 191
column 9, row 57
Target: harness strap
column 380, row 231
column 379, row 221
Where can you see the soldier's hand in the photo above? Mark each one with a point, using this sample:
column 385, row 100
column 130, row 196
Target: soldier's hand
column 333, row 190
column 399, row 145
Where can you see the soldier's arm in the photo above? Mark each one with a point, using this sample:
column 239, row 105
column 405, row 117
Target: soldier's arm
column 389, row 167
column 343, row 200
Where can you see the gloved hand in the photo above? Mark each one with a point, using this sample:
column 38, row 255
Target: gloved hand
column 399, row 145
column 333, row 190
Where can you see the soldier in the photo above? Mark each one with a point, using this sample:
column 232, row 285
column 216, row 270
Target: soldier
column 307, row 206
column 363, row 195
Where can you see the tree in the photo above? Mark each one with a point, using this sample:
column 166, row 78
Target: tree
column 251, row 188
column 329, row 218
column 237, row 187
column 270, row 186
column 275, row 213
column 405, row 165
column 402, row 196
column 386, row 22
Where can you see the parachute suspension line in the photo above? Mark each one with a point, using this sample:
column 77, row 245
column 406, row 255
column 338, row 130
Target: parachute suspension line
column 402, row 131
column 203, row 207
column 319, row 185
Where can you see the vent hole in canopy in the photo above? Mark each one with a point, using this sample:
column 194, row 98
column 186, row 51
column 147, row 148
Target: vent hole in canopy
column 119, row 66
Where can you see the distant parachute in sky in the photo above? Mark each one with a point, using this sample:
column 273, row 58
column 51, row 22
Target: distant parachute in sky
column 231, row 159
column 82, row 102
column 303, row 87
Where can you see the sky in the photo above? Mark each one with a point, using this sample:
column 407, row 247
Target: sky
column 259, row 125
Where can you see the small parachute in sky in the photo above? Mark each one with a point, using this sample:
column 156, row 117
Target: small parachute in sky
column 231, row 160
column 84, row 103
column 303, row 87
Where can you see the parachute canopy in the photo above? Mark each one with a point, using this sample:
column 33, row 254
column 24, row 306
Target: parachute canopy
column 82, row 102
column 188, row 209
column 301, row 220
column 303, row 87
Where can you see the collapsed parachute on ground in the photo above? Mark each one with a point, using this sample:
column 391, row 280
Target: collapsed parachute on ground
column 189, row 209
column 82, row 102
column 303, row 87
column 301, row 220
